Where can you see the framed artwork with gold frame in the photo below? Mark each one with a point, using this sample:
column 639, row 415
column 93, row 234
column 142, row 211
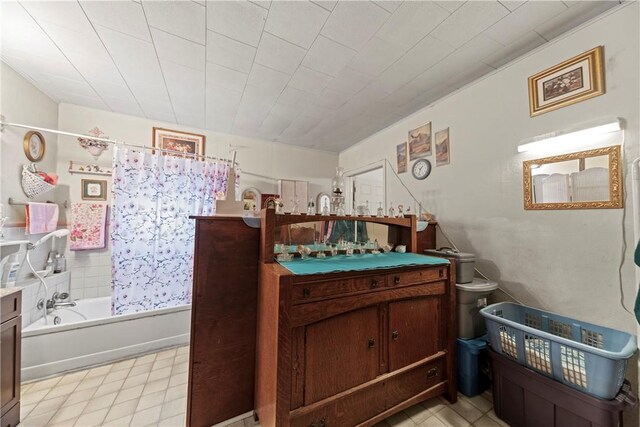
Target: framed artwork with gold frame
column 34, row 146
column 574, row 80
column 178, row 141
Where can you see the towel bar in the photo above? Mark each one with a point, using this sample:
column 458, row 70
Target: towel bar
column 15, row 202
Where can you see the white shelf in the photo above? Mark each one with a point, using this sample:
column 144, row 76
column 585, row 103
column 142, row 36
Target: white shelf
column 74, row 167
column 13, row 242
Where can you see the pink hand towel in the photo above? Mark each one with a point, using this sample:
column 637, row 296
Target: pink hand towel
column 88, row 226
column 42, row 217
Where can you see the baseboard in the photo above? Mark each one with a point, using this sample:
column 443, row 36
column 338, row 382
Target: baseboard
column 108, row 356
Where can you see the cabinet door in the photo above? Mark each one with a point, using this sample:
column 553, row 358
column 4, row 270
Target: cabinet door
column 340, row 352
column 10, row 363
column 414, row 330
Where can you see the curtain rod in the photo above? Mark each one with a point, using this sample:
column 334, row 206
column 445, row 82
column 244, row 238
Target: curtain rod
column 109, row 141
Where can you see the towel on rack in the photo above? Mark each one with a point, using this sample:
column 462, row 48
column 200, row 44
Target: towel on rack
column 88, row 226
column 41, row 217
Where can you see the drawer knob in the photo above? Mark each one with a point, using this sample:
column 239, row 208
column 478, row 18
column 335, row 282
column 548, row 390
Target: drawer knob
column 306, row 292
column 374, row 283
column 395, row 335
column 323, row 422
column 441, row 272
column 432, row 373
column 372, row 343
column 396, row 280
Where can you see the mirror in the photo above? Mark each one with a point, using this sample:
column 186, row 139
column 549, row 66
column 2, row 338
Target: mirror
column 252, row 198
column 309, row 233
column 323, row 200
column 585, row 180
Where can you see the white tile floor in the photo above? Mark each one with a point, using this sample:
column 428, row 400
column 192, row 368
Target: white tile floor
column 148, row 390
column 151, row 390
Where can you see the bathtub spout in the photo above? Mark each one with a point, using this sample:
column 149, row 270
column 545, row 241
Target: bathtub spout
column 53, row 304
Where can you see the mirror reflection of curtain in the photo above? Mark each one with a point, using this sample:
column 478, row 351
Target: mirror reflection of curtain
column 555, row 189
column 345, row 230
column 590, row 185
column 538, row 195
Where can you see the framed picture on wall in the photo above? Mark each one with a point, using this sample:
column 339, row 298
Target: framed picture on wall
column 178, row 141
column 401, row 154
column 420, row 142
column 574, row 80
column 94, row 189
column 442, row 147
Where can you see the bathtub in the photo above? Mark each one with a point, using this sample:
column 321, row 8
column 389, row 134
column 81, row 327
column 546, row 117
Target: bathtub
column 88, row 335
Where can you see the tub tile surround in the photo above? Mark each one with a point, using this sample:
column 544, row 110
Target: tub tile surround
column 90, row 269
column 152, row 390
column 33, row 291
column 91, row 273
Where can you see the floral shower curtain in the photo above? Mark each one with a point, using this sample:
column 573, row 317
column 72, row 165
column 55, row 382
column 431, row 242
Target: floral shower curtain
column 152, row 236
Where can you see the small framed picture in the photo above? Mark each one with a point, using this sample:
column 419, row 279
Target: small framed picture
column 574, row 80
column 401, row 153
column 442, row 147
column 420, row 142
column 177, row 142
column 94, row 189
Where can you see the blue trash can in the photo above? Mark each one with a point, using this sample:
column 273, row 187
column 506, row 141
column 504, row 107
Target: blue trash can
column 473, row 366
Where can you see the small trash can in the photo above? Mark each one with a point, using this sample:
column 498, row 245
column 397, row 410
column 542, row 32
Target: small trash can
column 473, row 366
column 465, row 262
column 471, row 298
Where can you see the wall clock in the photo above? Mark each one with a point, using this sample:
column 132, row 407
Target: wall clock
column 421, row 169
column 34, row 146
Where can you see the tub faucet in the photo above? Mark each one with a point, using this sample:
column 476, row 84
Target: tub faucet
column 56, row 301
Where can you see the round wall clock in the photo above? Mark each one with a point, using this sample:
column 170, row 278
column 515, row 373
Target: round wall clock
column 421, row 169
column 34, row 146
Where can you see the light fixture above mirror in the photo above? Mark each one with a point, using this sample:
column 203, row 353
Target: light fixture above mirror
column 572, row 138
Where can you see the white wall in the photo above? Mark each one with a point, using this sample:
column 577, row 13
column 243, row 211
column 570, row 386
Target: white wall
column 21, row 102
column 91, row 269
column 563, row 261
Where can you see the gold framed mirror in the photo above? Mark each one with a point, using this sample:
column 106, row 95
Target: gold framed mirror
column 589, row 179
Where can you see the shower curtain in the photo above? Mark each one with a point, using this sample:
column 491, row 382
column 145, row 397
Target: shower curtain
column 152, row 237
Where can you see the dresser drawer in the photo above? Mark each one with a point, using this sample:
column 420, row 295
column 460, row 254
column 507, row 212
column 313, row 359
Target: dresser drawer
column 349, row 410
column 408, row 384
column 304, row 292
column 10, row 306
column 417, row 276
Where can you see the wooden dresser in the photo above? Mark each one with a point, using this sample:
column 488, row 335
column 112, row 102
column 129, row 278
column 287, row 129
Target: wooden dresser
column 354, row 347
column 10, row 345
column 223, row 320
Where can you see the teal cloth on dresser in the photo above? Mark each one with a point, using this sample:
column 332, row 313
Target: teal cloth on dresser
column 341, row 263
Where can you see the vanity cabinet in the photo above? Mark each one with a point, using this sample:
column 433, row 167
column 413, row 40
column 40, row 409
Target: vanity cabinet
column 352, row 348
column 10, row 339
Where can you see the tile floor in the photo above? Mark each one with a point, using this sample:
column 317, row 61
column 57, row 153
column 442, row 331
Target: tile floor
column 152, row 390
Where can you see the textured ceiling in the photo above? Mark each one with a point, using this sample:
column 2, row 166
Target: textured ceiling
column 322, row 74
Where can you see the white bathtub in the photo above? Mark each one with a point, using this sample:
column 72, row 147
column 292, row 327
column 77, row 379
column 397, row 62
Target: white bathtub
column 78, row 343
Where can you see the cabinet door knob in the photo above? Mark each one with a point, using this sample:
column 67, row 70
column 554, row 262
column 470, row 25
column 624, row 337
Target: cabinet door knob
column 395, row 335
column 396, row 280
column 374, row 283
column 372, row 343
column 306, row 292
